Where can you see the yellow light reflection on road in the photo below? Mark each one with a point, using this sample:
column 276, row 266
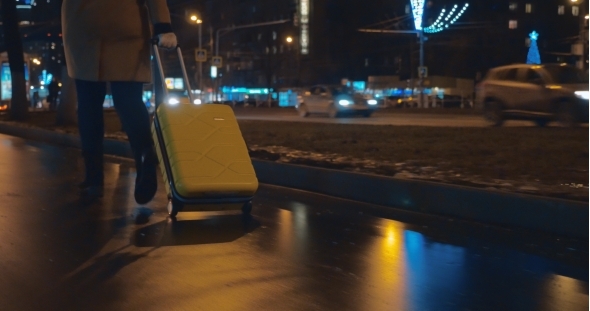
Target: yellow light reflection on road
column 294, row 231
column 560, row 291
column 390, row 235
column 285, row 236
column 386, row 267
column 554, row 87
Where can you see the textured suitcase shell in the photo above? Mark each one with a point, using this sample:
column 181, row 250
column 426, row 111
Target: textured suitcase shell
column 206, row 152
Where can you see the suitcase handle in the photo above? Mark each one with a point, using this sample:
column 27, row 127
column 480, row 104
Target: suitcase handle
column 187, row 85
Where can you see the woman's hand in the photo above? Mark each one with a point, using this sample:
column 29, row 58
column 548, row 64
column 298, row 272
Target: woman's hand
column 167, row 40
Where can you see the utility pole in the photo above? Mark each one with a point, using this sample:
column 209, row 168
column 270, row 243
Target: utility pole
column 444, row 20
column 200, row 63
column 195, row 18
column 421, row 71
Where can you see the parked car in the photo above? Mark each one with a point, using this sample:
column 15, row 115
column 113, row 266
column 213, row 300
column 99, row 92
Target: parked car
column 335, row 101
column 540, row 93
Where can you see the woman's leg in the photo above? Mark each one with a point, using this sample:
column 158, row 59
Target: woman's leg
column 91, row 127
column 127, row 97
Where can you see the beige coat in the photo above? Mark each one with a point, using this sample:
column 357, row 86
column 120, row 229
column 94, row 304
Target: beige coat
column 109, row 40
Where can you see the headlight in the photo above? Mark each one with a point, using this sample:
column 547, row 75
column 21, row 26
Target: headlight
column 197, row 101
column 372, row 102
column 344, row 102
column 173, row 101
column 582, row 94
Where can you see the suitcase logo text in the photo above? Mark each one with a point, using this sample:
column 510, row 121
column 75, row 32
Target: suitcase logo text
column 219, row 119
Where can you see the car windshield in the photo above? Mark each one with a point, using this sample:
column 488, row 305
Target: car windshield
column 567, row 74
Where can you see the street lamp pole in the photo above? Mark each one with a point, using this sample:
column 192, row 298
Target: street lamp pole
column 421, row 71
column 200, row 63
column 199, row 22
column 444, row 20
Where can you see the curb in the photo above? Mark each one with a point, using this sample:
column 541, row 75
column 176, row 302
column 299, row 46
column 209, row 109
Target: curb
column 562, row 217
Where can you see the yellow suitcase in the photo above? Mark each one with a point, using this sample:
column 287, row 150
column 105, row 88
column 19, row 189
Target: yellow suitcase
column 202, row 155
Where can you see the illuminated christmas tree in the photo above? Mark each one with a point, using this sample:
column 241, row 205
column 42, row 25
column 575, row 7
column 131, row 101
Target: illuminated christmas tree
column 533, row 57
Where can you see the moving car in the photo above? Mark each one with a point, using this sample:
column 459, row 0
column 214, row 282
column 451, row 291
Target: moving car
column 176, row 97
column 335, row 101
column 540, row 93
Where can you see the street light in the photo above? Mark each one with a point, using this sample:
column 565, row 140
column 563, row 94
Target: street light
column 196, row 19
column 199, row 22
column 297, row 72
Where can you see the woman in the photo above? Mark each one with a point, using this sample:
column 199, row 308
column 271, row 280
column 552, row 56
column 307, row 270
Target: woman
column 109, row 41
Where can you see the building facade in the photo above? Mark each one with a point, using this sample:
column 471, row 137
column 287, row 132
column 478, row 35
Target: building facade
column 318, row 41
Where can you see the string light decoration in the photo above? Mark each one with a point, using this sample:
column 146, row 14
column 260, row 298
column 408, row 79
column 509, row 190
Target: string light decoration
column 418, row 11
column 441, row 23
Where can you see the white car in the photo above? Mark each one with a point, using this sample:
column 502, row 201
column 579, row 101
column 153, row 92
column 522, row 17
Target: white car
column 335, row 101
column 540, row 93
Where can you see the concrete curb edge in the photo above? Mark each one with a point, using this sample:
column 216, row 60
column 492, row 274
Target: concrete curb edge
column 562, row 217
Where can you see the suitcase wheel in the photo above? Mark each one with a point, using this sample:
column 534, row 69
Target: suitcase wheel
column 173, row 207
column 247, row 208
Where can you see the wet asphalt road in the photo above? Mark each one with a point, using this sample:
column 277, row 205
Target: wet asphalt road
column 395, row 117
column 299, row 251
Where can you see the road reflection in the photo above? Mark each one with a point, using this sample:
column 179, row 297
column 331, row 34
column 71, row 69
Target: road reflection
column 387, row 269
column 410, row 271
column 562, row 293
column 299, row 251
column 294, row 232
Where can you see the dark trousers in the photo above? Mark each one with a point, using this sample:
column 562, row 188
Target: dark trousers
column 127, row 98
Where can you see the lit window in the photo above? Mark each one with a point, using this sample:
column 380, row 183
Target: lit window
column 575, row 10
column 513, row 24
column 513, row 6
column 528, row 8
column 560, row 9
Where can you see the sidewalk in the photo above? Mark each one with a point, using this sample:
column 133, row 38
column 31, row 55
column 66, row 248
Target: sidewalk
column 563, row 217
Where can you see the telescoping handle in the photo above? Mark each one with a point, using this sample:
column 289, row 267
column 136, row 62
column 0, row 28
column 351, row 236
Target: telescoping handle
column 187, row 85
